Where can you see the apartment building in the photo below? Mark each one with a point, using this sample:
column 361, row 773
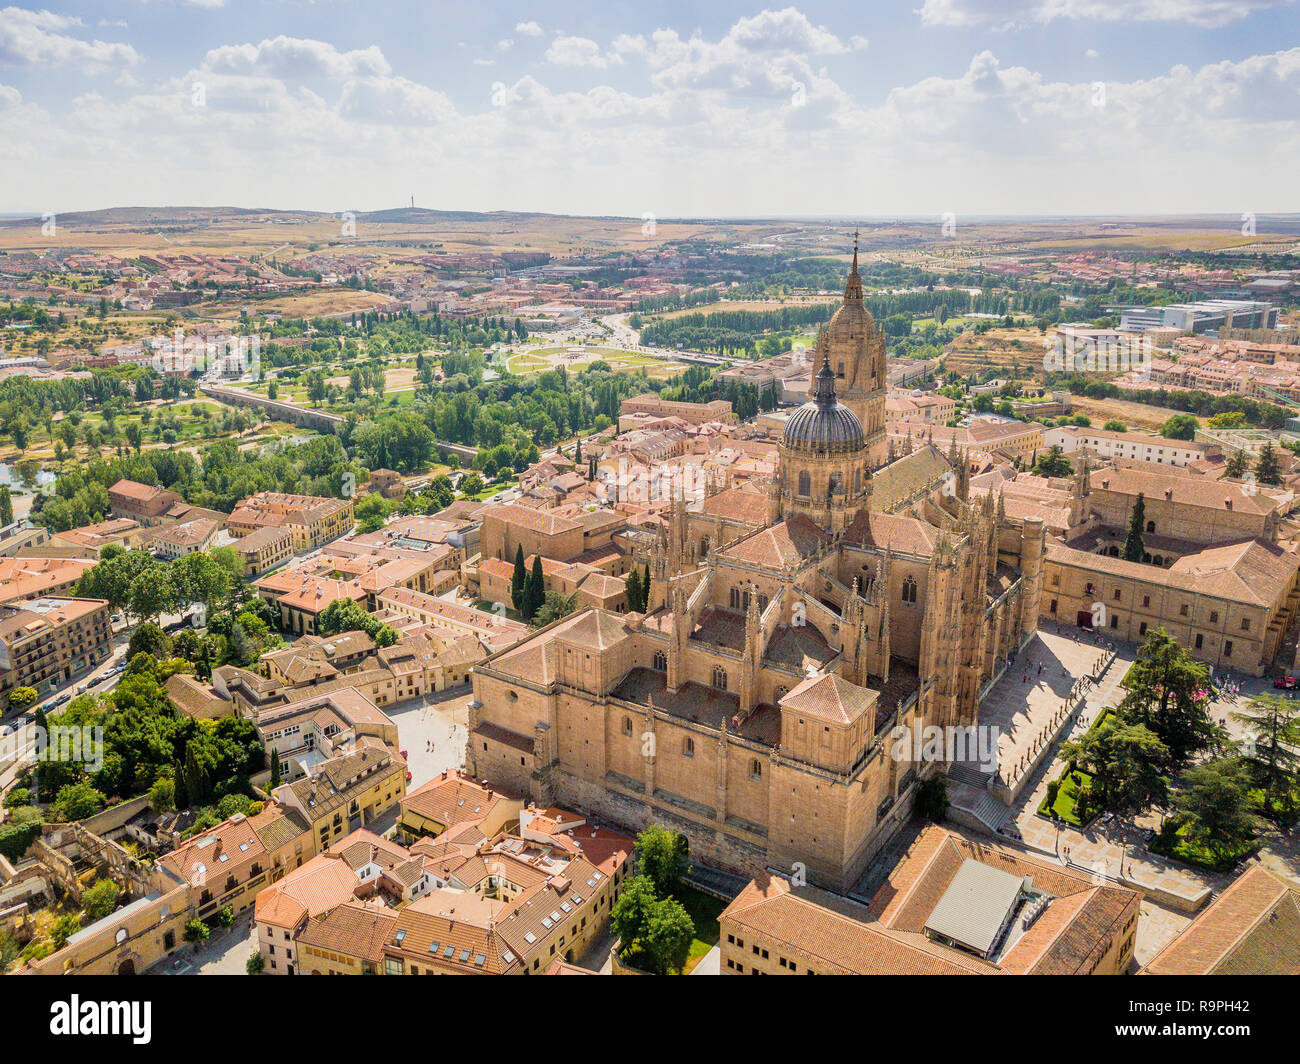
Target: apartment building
column 187, row 537
column 263, row 549
column 141, row 502
column 1138, row 446
column 312, row 521
column 29, row 578
column 347, row 791
column 46, row 641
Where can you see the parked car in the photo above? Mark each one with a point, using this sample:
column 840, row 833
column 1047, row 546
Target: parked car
column 1286, row 683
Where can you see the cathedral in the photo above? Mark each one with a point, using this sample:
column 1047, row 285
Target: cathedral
column 795, row 638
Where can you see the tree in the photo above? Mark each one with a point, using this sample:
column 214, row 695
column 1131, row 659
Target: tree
column 662, row 857
column 196, row 930
column 1115, row 426
column 149, row 639
column 347, row 615
column 519, row 579
column 76, row 801
column 1053, row 463
column 1180, row 427
column 932, row 798
column 632, row 583
column 1213, row 805
column 1274, row 726
column 1167, row 690
column 534, row 590
column 1236, row 466
column 226, row 916
column 6, row 506
column 1136, row 525
column 667, row 936
column 1125, row 762
column 22, row 697
column 100, row 899
column 554, row 607
column 162, row 795
column 632, row 911
column 1267, row 470
column 64, row 928
column 256, row 964
column 275, row 768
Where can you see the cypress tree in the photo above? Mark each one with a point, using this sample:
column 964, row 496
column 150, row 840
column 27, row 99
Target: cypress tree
column 534, row 590
column 519, row 579
column 633, row 583
column 1136, row 523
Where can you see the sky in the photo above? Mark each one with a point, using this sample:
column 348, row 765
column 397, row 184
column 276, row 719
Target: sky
column 712, row 109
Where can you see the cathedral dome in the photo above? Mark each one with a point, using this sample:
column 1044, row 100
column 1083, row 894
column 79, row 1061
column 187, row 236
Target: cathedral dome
column 824, row 424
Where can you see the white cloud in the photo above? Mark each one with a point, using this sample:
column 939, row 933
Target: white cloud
column 9, row 97
column 505, row 44
column 687, row 116
column 579, row 52
column 528, row 29
column 1008, row 13
column 36, row 38
column 296, row 57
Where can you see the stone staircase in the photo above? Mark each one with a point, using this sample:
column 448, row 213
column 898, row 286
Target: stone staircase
column 969, row 772
column 978, row 804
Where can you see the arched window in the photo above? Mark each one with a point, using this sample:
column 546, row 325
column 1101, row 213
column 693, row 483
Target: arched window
column 857, row 481
column 661, row 661
column 756, row 769
column 735, row 598
column 835, row 487
column 688, row 747
column 627, row 725
column 1151, row 526
column 909, row 590
column 839, row 370
column 720, row 678
column 805, row 484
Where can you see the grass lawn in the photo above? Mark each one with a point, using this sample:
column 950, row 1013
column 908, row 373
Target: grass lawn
column 704, row 910
column 1066, row 797
column 1174, row 842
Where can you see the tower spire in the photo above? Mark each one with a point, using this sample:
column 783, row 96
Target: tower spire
column 853, row 287
column 824, row 390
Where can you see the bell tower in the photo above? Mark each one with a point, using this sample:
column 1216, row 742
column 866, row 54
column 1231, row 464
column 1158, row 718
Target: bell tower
column 855, row 349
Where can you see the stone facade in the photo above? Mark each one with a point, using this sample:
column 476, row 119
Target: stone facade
column 755, row 707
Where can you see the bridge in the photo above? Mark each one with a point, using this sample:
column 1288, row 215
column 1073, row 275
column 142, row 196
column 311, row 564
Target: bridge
column 304, row 416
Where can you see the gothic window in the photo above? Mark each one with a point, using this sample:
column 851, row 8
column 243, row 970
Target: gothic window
column 756, row 769
column 720, row 678
column 688, row 747
column 839, row 370
column 909, row 590
column 1151, row 526
column 661, row 661
column 735, row 598
column 627, row 725
column 857, row 481
column 762, row 603
column 835, row 486
column 805, row 484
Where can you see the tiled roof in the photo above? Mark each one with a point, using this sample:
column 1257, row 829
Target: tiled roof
column 1252, row 928
column 789, row 543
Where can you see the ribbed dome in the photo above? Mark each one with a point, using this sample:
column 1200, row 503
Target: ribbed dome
column 824, row 424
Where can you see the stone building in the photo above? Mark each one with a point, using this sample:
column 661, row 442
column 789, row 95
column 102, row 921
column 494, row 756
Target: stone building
column 760, row 705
